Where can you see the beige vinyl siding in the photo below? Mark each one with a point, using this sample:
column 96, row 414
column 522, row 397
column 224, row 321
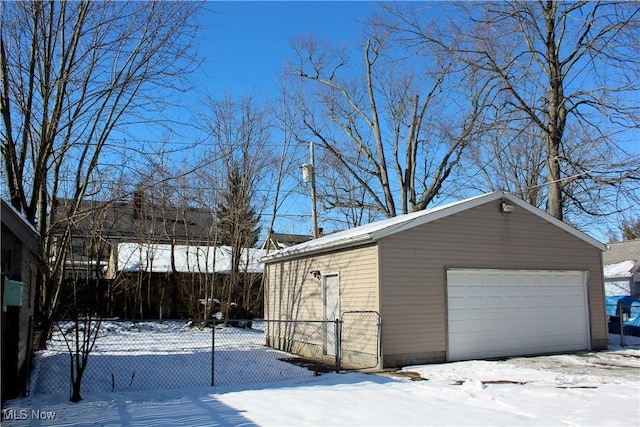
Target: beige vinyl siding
column 290, row 283
column 292, row 293
column 413, row 299
column 414, row 263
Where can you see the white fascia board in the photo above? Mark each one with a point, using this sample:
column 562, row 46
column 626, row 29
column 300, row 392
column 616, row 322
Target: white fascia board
column 294, row 251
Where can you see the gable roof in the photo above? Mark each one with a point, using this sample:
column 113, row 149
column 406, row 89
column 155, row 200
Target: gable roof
column 377, row 230
column 129, row 220
column 285, row 240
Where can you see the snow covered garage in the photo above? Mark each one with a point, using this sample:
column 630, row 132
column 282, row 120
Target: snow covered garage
column 486, row 277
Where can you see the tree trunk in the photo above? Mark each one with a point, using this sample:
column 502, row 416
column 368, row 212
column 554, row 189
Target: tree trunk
column 554, row 186
column 76, row 385
column 557, row 115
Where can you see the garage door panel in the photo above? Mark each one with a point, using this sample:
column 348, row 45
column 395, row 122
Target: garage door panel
column 494, row 313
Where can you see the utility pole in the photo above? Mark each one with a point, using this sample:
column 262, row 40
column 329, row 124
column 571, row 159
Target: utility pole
column 309, row 175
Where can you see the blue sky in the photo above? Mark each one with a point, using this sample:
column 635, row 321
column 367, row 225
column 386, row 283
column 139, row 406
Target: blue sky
column 247, row 43
column 245, row 46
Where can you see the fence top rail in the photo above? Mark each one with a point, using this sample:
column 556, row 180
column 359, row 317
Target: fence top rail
column 373, row 312
column 297, row 321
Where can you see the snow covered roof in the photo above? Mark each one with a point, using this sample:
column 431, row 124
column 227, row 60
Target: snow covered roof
column 619, row 269
column 377, row 230
column 622, row 259
column 151, row 257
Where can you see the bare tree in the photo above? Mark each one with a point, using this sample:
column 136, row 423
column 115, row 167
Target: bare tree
column 568, row 71
column 341, row 196
column 82, row 298
column 203, row 290
column 386, row 120
column 239, row 131
column 80, row 340
column 630, row 229
column 82, row 274
column 74, row 76
column 287, row 166
column 509, row 158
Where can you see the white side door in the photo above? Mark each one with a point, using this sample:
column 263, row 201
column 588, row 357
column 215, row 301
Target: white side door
column 331, row 308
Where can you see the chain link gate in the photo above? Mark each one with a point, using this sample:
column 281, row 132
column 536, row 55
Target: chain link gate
column 359, row 337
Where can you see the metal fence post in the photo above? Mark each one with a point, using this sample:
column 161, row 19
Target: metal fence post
column 338, row 343
column 213, row 353
column 621, row 313
column 380, row 353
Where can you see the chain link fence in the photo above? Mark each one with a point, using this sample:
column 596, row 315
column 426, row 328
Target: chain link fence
column 132, row 356
column 241, row 357
column 624, row 320
column 127, row 356
column 351, row 342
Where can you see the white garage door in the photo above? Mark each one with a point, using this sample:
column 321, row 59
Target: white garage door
column 495, row 313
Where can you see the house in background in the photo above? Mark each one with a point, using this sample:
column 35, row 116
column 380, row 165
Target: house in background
column 189, row 275
column 97, row 230
column 622, row 268
column 99, row 226
column 277, row 241
column 20, row 243
column 491, row 276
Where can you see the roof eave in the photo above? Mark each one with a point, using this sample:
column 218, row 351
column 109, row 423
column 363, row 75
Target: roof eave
column 433, row 215
column 19, row 225
column 291, row 252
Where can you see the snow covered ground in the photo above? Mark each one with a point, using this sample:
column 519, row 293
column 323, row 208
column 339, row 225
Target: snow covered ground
column 598, row 388
column 140, row 356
